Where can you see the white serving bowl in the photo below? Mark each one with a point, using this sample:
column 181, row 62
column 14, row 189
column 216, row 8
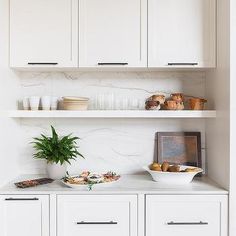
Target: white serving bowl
column 173, row 177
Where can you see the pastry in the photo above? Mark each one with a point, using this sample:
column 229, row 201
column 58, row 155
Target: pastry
column 174, row 168
column 165, row 165
column 155, row 167
column 178, row 97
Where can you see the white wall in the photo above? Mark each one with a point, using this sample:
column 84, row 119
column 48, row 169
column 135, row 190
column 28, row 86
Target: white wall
column 218, row 91
column 232, row 118
column 8, row 94
column 220, row 131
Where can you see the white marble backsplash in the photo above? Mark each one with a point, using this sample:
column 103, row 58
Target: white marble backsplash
column 123, row 84
column 122, row 145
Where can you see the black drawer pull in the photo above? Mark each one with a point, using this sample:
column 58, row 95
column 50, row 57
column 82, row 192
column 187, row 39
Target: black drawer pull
column 96, row 223
column 187, row 223
column 182, row 64
column 43, row 63
column 112, row 64
column 21, row 199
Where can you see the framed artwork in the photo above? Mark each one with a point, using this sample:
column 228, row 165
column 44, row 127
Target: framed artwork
column 183, row 148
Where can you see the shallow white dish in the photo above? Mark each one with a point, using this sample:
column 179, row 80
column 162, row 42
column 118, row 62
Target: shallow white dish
column 173, row 177
column 93, row 186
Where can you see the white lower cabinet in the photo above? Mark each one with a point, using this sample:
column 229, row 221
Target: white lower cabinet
column 24, row 215
column 101, row 215
column 116, row 215
column 182, row 215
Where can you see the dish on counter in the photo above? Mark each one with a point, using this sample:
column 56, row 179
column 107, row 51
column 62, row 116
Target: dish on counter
column 33, row 182
column 88, row 180
column 172, row 174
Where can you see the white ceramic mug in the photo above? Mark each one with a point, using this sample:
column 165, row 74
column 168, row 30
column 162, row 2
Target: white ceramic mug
column 34, row 103
column 46, row 102
column 26, row 103
column 54, row 103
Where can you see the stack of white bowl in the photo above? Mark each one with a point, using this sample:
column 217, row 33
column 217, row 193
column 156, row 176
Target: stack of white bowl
column 75, row 103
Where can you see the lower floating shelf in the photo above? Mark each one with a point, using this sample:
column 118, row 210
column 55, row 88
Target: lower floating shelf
column 112, row 114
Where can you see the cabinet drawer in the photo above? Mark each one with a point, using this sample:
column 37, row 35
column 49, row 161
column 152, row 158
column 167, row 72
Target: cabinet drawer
column 96, row 215
column 186, row 215
column 24, row 215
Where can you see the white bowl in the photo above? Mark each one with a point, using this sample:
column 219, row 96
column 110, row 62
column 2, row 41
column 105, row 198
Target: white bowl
column 173, row 177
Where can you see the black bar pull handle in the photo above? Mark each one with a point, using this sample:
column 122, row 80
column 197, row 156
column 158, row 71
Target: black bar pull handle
column 96, row 223
column 43, row 63
column 21, row 199
column 182, row 64
column 187, row 223
column 112, row 63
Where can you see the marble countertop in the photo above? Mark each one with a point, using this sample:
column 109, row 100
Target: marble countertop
column 128, row 184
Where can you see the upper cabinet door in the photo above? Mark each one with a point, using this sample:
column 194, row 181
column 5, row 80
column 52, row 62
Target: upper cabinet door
column 44, row 33
column 113, row 33
column 181, row 33
column 24, row 215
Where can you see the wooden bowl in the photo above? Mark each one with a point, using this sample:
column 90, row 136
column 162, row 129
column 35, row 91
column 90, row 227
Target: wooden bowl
column 178, row 97
column 170, row 105
column 197, row 103
column 158, row 98
column 152, row 105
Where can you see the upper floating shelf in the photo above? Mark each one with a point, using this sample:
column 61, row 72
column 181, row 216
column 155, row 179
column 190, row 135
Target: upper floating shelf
column 112, row 114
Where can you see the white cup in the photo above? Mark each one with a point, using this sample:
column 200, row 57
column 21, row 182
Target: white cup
column 118, row 105
column 133, row 104
column 110, row 101
column 125, row 104
column 54, row 103
column 34, row 103
column 101, row 101
column 141, row 104
column 26, row 103
column 46, row 103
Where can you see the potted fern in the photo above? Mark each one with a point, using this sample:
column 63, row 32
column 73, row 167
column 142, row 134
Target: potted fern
column 57, row 151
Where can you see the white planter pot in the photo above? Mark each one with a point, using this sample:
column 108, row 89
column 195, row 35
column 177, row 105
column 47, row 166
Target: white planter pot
column 56, row 171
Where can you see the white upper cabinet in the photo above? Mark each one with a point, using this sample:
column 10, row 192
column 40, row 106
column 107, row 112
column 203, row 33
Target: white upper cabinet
column 43, row 33
column 113, row 33
column 24, row 215
column 181, row 33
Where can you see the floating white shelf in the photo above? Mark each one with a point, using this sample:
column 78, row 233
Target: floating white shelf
column 112, row 114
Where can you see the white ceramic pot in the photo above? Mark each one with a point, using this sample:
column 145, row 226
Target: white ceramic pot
column 56, row 171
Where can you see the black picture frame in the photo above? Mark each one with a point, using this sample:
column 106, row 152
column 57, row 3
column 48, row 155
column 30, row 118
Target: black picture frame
column 182, row 148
